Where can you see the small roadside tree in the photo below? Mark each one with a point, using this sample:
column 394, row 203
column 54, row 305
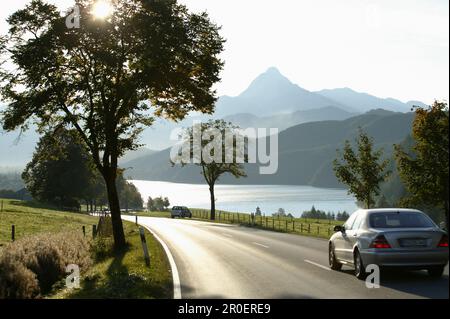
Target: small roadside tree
column 210, row 148
column 425, row 168
column 362, row 171
column 108, row 76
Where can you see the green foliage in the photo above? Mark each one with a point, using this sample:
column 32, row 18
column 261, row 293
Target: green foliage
column 425, row 167
column 216, row 163
column 362, row 171
column 129, row 196
column 158, row 204
column 317, row 214
column 98, row 78
column 61, row 171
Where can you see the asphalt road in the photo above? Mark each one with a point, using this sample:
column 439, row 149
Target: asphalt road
column 229, row 261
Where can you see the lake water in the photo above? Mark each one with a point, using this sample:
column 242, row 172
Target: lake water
column 245, row 198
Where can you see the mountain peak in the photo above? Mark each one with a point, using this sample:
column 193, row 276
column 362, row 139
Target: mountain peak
column 270, row 81
column 273, row 70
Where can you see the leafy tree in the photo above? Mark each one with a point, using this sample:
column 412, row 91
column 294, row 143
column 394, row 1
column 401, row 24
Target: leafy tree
column 280, row 213
column 362, row 171
column 258, row 212
column 150, row 204
column 425, row 170
column 212, row 154
column 158, row 204
column 108, row 77
column 166, row 203
column 61, row 170
column 129, row 196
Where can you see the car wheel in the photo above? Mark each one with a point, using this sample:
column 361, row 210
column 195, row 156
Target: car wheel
column 334, row 264
column 360, row 271
column 436, row 272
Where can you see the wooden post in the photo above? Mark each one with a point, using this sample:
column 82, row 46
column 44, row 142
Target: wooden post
column 1, row 210
column 293, row 225
column 144, row 246
column 273, row 223
column 286, row 225
column 238, row 217
column 94, row 231
column 13, row 232
column 84, row 231
column 309, row 228
column 318, row 230
column 301, row 227
column 136, row 219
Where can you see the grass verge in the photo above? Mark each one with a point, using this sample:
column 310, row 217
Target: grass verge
column 120, row 274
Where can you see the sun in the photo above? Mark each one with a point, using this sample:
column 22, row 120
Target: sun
column 102, row 9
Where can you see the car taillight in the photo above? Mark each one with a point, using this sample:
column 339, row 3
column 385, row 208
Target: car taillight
column 444, row 242
column 380, row 242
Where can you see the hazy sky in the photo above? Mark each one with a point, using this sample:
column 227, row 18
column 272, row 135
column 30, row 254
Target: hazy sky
column 387, row 48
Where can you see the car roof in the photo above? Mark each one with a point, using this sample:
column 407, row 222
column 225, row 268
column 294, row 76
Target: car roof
column 389, row 210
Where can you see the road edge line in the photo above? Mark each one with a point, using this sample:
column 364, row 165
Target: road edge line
column 173, row 265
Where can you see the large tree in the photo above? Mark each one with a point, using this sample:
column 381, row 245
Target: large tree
column 61, row 170
column 425, row 167
column 362, row 171
column 107, row 77
column 214, row 146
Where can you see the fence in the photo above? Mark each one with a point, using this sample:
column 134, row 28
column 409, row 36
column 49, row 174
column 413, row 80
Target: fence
column 311, row 227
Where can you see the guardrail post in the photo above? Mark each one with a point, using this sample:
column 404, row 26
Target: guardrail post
column 13, row 233
column 136, row 219
column 144, row 246
column 309, row 228
column 84, row 231
column 94, row 231
column 293, row 225
column 301, row 227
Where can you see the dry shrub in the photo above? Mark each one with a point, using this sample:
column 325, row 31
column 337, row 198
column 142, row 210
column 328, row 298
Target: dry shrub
column 31, row 266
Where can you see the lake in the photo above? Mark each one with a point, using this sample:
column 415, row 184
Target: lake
column 245, row 198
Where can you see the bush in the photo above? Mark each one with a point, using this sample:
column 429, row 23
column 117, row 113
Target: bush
column 31, row 266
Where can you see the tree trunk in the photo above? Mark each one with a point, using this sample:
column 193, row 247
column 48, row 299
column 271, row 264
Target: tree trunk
column 114, row 206
column 213, row 202
column 446, row 215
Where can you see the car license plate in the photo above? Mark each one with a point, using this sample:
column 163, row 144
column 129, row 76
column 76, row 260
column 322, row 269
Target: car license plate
column 413, row 242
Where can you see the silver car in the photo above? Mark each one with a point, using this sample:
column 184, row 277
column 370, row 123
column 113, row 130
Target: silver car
column 394, row 237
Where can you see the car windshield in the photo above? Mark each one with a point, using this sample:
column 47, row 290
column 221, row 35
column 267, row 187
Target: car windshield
column 399, row 220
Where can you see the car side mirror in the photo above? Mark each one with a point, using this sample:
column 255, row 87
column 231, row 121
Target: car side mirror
column 339, row 228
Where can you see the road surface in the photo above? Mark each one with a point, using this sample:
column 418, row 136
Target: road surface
column 230, row 261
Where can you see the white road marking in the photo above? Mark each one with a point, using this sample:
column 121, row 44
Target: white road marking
column 173, row 266
column 316, row 264
column 260, row 245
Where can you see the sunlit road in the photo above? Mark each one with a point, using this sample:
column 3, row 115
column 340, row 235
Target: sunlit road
column 229, row 261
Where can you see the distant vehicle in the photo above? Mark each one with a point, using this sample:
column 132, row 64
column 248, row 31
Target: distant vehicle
column 402, row 238
column 181, row 212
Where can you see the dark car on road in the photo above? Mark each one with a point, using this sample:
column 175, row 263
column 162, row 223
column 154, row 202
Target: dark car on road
column 181, row 212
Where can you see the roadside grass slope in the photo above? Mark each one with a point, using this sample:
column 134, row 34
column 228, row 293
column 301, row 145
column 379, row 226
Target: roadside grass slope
column 114, row 274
